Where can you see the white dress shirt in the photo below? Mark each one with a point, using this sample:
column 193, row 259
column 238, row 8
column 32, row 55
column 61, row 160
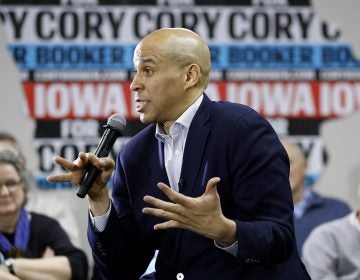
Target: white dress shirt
column 174, row 143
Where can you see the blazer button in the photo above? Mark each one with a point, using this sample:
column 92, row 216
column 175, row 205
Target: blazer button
column 180, row 276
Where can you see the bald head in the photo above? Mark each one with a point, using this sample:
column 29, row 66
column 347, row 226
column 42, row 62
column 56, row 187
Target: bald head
column 183, row 47
column 294, row 151
column 172, row 67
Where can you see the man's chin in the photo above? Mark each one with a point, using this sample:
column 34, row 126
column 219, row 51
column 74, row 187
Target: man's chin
column 144, row 120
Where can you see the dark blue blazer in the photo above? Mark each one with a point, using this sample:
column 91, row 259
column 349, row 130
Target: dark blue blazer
column 227, row 140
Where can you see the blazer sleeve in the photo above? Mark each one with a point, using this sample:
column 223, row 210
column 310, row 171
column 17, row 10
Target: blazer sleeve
column 119, row 251
column 261, row 192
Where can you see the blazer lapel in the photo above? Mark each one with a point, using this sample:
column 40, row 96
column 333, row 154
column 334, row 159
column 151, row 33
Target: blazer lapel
column 162, row 170
column 161, row 155
column 194, row 149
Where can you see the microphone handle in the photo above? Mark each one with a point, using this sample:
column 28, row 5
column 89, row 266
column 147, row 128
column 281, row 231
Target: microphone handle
column 90, row 176
column 102, row 150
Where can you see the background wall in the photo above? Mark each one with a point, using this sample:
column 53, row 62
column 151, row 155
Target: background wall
column 13, row 118
column 341, row 177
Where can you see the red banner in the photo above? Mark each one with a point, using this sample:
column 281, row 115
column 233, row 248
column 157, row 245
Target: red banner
column 98, row 100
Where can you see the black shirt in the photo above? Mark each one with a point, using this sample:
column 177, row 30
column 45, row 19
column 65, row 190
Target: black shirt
column 47, row 232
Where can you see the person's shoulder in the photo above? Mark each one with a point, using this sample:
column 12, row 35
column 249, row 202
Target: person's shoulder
column 140, row 143
column 332, row 227
column 230, row 112
column 231, row 107
column 338, row 202
column 42, row 225
column 333, row 202
column 324, row 237
column 146, row 132
column 40, row 218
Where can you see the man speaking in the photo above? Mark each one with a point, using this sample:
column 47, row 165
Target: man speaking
column 205, row 183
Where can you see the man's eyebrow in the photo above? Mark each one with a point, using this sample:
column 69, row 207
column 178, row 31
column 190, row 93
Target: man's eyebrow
column 147, row 61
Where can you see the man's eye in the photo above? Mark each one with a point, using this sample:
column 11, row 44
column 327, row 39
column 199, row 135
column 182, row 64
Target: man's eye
column 148, row 71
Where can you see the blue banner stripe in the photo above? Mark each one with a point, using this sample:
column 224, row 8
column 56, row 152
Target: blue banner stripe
column 85, row 57
column 105, row 57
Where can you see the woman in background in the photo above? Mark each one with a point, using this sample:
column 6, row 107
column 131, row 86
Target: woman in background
column 32, row 246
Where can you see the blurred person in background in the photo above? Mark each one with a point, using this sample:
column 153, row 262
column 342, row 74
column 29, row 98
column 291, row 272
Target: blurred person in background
column 32, row 245
column 332, row 250
column 310, row 208
column 44, row 201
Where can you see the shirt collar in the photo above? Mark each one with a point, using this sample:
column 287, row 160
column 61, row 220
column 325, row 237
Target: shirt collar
column 301, row 206
column 184, row 120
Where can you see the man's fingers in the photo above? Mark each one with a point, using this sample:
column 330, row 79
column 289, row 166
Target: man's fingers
column 103, row 163
column 167, row 225
column 174, row 196
column 65, row 163
column 77, row 167
column 160, row 213
column 60, row 178
column 172, row 224
column 211, row 185
column 167, row 206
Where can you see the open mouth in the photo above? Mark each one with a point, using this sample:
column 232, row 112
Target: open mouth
column 141, row 105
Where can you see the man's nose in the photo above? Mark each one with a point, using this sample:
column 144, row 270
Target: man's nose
column 136, row 83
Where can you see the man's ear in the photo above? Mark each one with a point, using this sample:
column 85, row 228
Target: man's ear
column 192, row 73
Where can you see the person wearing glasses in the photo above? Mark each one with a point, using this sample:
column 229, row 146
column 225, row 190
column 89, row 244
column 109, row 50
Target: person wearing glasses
column 44, row 201
column 32, row 245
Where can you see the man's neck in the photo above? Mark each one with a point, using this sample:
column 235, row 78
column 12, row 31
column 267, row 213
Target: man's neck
column 166, row 127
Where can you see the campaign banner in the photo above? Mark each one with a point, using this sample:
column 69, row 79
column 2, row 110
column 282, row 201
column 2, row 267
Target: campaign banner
column 92, row 24
column 277, row 57
column 117, row 57
column 98, row 100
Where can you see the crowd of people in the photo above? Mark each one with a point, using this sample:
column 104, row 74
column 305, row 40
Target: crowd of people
column 310, row 207
column 206, row 185
column 326, row 229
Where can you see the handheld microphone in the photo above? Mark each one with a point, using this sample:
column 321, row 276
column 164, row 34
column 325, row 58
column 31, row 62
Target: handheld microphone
column 112, row 131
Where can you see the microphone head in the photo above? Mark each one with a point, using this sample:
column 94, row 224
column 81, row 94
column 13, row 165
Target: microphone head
column 117, row 122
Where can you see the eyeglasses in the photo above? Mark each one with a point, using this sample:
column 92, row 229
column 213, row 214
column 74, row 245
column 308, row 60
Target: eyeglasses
column 11, row 184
